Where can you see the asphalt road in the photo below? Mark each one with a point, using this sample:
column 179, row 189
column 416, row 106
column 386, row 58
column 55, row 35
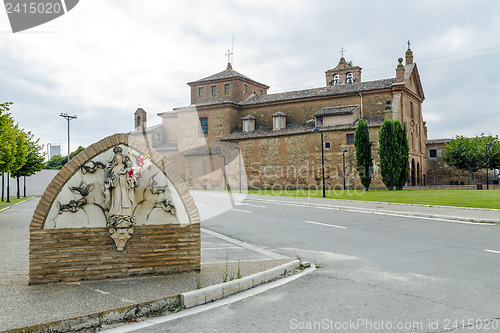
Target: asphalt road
column 378, row 273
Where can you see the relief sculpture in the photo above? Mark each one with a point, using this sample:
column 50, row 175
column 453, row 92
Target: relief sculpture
column 120, row 189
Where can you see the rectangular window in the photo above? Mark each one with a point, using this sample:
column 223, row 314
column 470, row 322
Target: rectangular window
column 261, row 92
column 319, row 121
column 203, row 126
column 349, row 138
column 200, row 91
column 214, row 90
column 328, row 145
column 245, row 88
column 432, row 152
column 226, row 88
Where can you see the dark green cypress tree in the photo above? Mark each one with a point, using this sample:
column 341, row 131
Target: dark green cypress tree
column 404, row 155
column 364, row 160
column 389, row 154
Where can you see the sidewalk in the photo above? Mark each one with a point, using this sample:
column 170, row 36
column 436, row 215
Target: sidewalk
column 24, row 306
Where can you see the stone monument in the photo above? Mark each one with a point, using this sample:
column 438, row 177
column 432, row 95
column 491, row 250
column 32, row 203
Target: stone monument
column 118, row 209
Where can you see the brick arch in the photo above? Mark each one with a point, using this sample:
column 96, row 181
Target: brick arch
column 70, row 168
column 89, row 253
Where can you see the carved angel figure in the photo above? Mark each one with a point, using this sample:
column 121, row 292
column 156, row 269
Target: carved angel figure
column 118, row 185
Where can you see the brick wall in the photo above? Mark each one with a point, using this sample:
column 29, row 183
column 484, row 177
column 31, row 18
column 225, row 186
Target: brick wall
column 75, row 254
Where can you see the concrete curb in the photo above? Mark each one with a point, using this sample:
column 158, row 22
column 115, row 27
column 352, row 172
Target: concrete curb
column 212, row 293
column 187, row 300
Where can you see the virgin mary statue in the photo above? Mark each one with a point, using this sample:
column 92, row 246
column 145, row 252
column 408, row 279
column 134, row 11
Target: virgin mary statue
column 119, row 186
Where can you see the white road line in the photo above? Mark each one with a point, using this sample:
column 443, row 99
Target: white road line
column 326, row 225
column 250, row 205
column 492, row 251
column 240, row 210
column 251, row 247
column 209, row 306
column 101, row 291
column 223, row 248
column 364, row 211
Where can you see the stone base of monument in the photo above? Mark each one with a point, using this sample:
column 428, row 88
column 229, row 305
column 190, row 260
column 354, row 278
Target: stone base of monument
column 118, row 209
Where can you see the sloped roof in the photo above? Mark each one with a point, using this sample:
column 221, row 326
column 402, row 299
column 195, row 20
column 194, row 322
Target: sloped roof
column 293, row 129
column 437, row 141
column 335, row 90
column 321, row 92
column 228, row 73
column 339, row 110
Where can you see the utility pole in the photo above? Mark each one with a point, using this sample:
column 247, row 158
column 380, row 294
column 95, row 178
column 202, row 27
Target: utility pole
column 68, row 118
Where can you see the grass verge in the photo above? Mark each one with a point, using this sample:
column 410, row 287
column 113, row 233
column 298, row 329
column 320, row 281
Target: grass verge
column 13, row 201
column 456, row 198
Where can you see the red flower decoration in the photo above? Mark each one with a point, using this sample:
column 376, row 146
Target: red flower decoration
column 131, row 173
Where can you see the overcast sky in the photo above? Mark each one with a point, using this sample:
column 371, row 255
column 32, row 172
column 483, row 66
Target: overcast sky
column 104, row 58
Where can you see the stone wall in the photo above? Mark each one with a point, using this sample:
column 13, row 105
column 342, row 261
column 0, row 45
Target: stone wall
column 74, row 243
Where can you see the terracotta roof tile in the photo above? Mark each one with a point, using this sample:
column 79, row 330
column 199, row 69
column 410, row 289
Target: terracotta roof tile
column 293, row 129
column 340, row 110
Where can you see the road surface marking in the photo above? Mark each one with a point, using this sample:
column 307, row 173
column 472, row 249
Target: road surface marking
column 209, row 306
column 374, row 212
column 222, row 248
column 327, row 225
column 101, row 291
column 251, row 205
column 493, row 251
column 251, row 247
column 240, row 210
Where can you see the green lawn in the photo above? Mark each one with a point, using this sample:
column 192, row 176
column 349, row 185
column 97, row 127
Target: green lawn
column 13, row 201
column 459, row 198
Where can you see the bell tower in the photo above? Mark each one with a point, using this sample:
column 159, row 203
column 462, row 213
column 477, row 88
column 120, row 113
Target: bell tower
column 344, row 73
column 140, row 119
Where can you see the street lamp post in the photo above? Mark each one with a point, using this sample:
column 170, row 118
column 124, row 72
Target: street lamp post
column 343, row 165
column 224, row 171
column 316, row 130
column 8, row 187
column 487, row 164
column 239, row 162
column 68, row 118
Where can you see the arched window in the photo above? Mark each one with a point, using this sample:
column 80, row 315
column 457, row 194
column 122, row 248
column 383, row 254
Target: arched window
column 336, row 79
column 350, row 78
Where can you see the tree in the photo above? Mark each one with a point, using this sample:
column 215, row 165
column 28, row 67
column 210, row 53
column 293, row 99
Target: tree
column 7, row 138
column 34, row 159
column 57, row 161
column 76, row 152
column 469, row 154
column 364, row 160
column 7, row 141
column 393, row 153
column 404, row 151
column 20, row 156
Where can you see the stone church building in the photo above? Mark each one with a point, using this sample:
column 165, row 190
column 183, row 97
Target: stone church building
column 232, row 113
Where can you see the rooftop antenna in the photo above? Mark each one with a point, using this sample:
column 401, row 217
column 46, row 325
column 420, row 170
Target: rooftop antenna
column 232, row 49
